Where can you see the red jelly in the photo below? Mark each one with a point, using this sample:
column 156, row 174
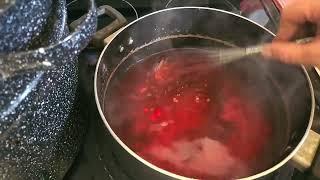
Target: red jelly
column 190, row 117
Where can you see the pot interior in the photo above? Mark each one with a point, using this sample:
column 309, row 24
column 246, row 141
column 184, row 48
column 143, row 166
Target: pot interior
column 230, row 121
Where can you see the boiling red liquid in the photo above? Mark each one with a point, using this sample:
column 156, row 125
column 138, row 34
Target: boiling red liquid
column 184, row 115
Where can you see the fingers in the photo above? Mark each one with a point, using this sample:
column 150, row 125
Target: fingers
column 289, row 22
column 292, row 53
column 295, row 15
column 287, row 31
column 293, row 22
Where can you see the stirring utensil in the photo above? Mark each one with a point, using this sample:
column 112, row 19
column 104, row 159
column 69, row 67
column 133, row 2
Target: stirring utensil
column 227, row 55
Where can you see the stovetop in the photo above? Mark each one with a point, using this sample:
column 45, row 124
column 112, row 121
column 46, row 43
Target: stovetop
column 89, row 164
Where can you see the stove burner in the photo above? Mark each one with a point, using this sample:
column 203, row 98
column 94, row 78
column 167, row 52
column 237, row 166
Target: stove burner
column 227, row 5
column 133, row 8
column 89, row 164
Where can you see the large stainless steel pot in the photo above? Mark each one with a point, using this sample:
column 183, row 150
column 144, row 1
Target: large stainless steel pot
column 287, row 87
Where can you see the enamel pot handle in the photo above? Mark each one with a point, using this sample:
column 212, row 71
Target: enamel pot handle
column 118, row 22
column 53, row 56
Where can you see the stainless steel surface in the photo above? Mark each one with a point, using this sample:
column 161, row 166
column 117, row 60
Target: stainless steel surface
column 223, row 56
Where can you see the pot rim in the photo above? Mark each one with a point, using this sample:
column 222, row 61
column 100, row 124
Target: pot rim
column 173, row 175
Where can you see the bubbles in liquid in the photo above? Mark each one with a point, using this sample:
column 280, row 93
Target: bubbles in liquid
column 184, row 115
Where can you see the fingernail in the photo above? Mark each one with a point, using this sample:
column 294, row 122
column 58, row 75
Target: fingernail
column 266, row 51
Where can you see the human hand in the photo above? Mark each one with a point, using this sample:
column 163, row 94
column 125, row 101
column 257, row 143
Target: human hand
column 295, row 18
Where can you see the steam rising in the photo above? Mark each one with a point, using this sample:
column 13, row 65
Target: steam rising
column 203, row 155
column 206, row 155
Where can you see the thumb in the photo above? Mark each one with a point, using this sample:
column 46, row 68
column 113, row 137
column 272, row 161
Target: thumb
column 293, row 53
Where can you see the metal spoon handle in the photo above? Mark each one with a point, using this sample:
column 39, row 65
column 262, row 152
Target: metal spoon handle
column 258, row 48
column 304, row 40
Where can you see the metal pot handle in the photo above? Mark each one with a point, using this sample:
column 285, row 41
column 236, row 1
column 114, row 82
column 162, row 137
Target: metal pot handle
column 108, row 39
column 52, row 56
column 316, row 164
column 306, row 155
column 101, row 34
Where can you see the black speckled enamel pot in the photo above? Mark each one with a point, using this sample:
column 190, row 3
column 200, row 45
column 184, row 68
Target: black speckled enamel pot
column 40, row 132
column 21, row 21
